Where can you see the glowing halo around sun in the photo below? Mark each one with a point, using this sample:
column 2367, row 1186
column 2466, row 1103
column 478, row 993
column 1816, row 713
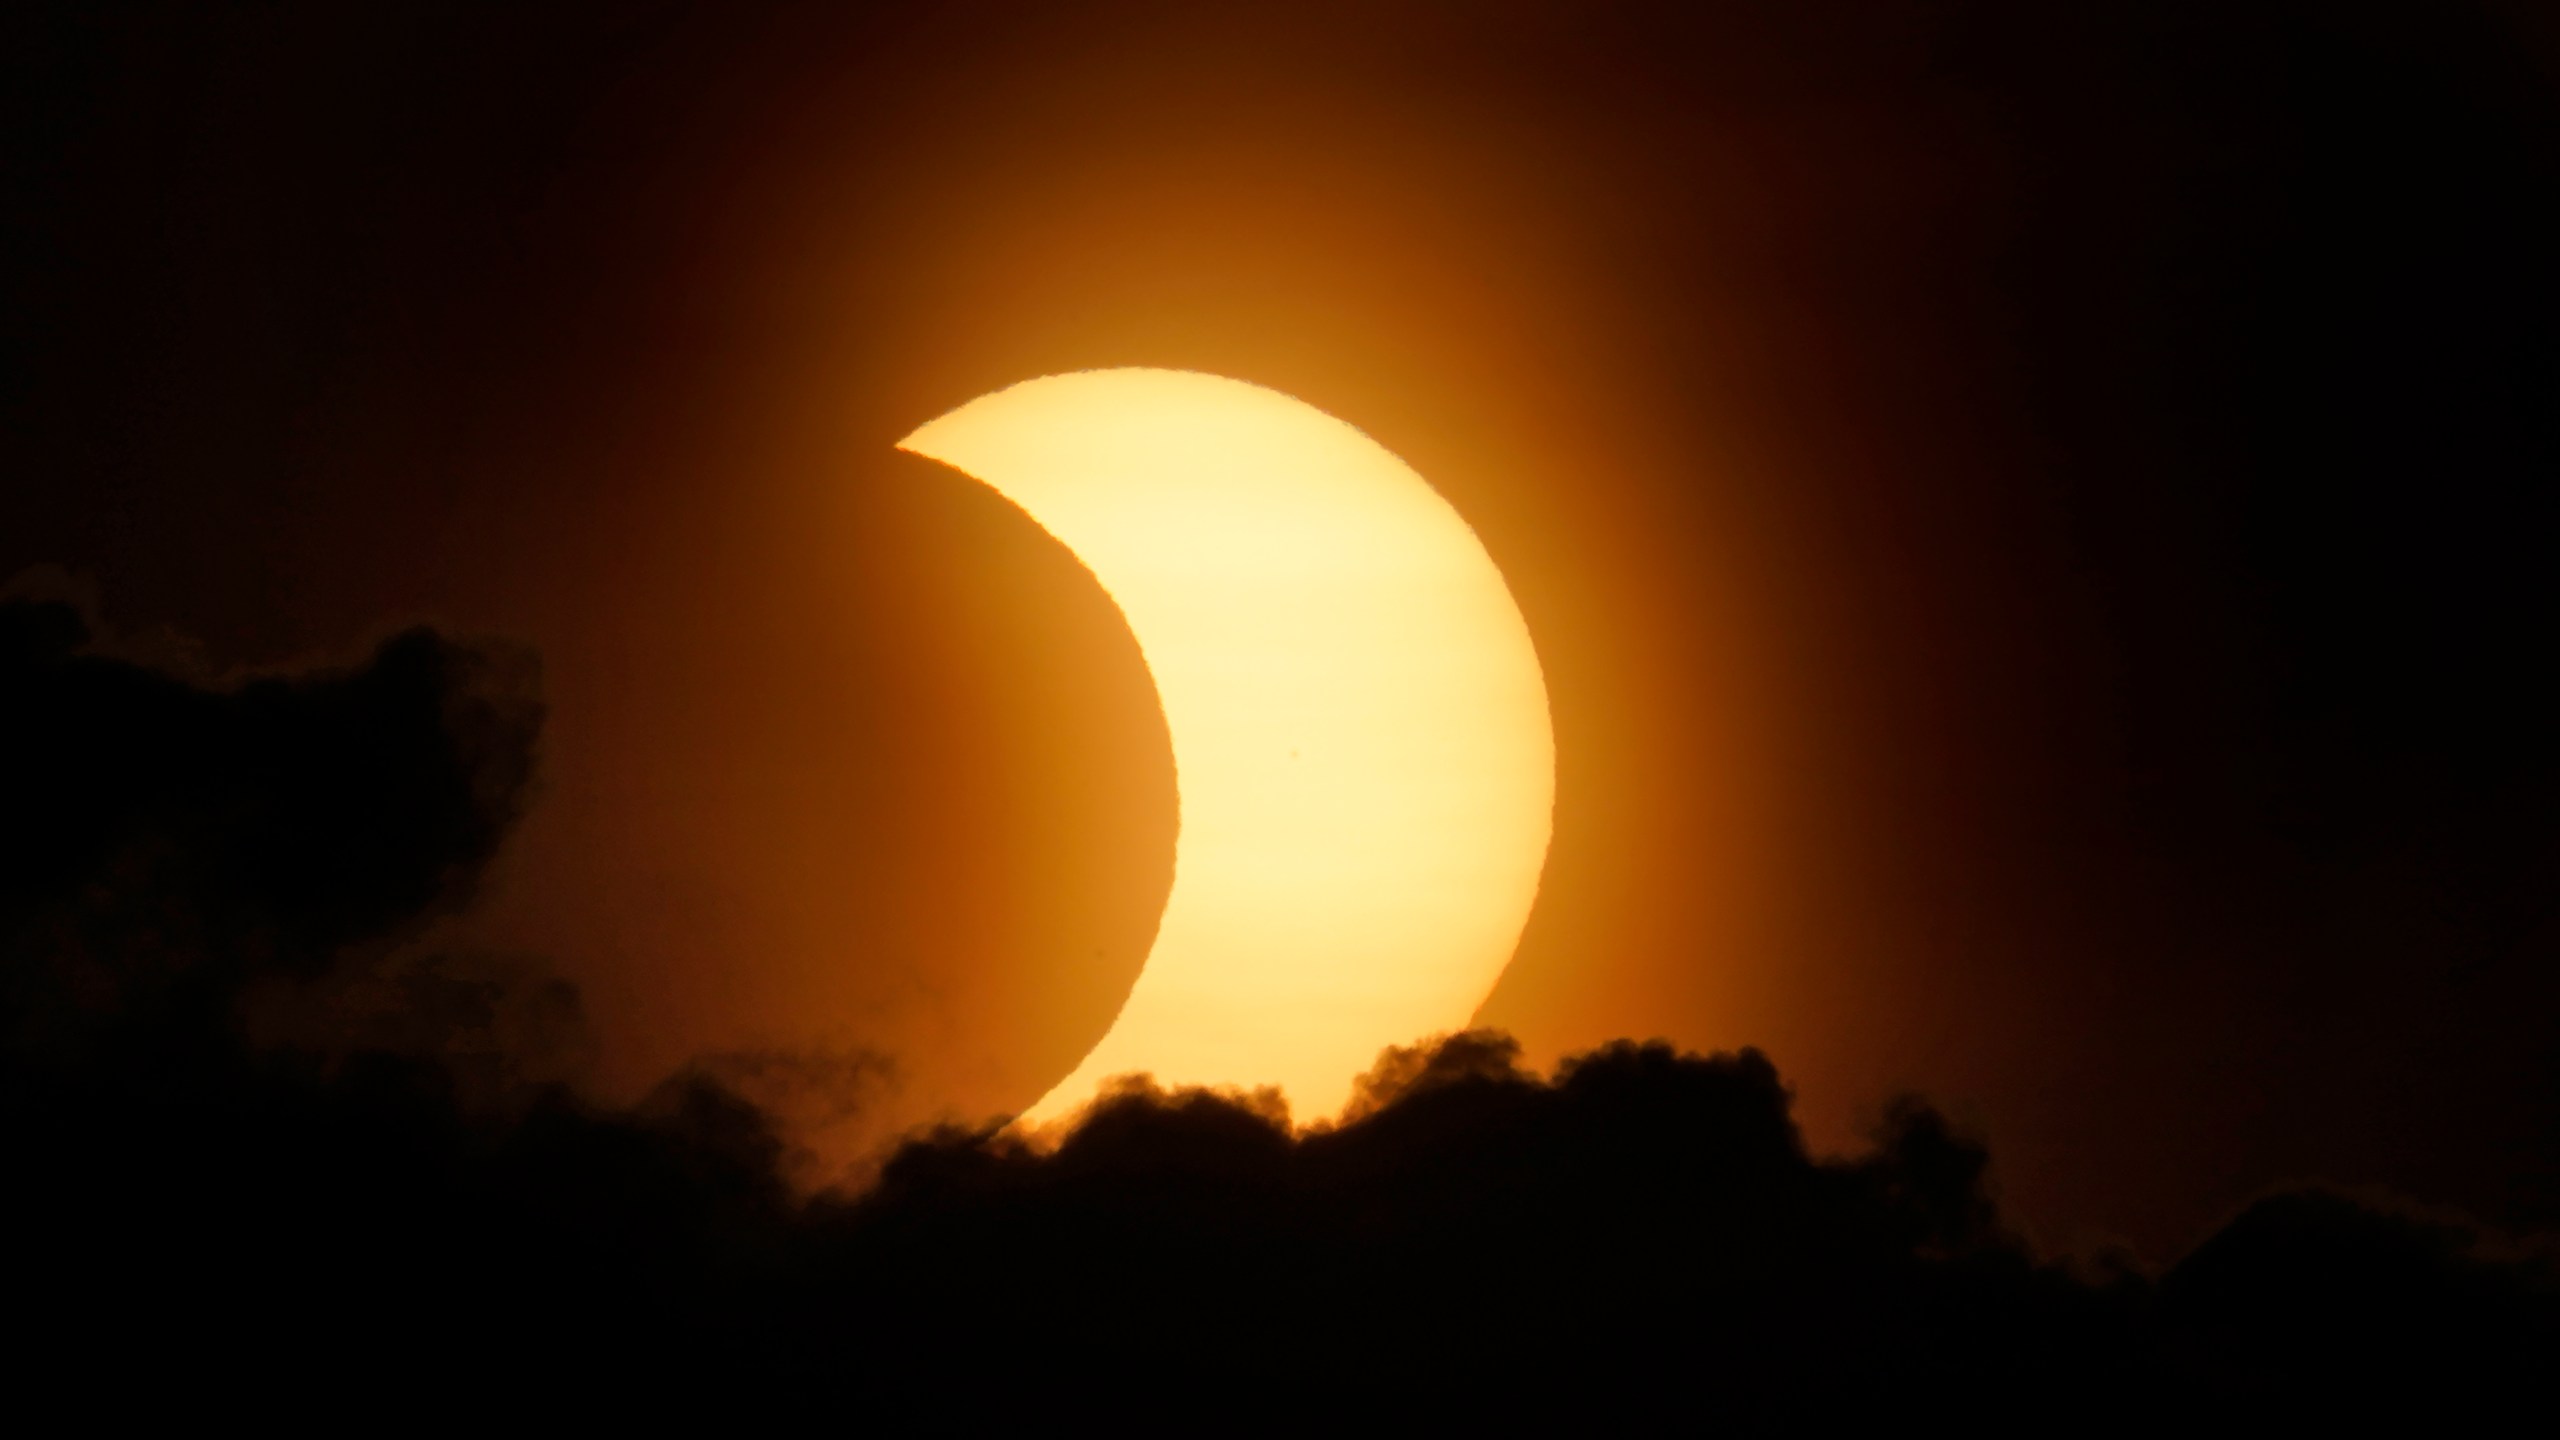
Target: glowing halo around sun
column 1361, row 747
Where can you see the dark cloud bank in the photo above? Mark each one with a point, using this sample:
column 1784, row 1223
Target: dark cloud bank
column 257, row 1161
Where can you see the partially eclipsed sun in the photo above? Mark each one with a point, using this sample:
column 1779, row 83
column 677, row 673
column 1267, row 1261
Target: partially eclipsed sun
column 1360, row 738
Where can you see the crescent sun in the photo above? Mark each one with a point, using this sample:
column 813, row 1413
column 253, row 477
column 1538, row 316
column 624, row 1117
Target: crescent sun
column 1362, row 753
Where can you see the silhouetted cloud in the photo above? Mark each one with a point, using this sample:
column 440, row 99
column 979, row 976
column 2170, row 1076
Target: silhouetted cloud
column 389, row 1211
column 2363, row 1298
column 167, row 844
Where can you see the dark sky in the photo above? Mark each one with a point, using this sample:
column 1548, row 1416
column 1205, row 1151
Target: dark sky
column 2038, row 518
